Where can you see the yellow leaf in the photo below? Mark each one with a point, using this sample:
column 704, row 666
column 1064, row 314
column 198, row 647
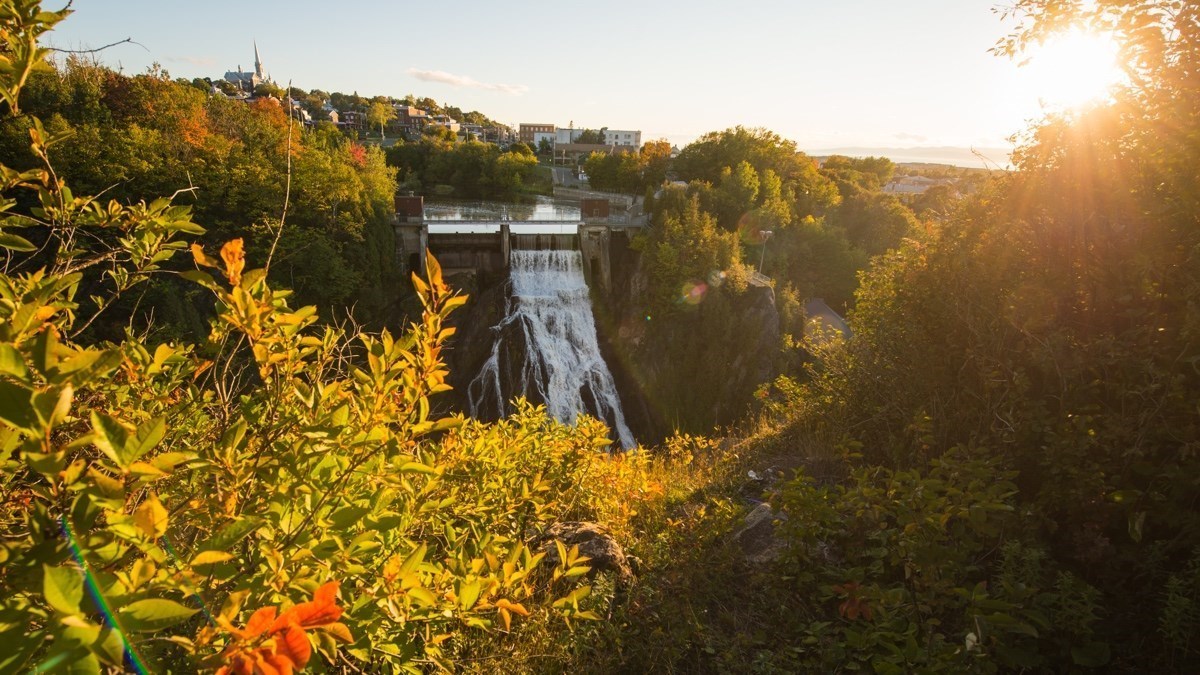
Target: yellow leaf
column 211, row 558
column 201, row 259
column 339, row 631
column 151, row 518
column 512, row 607
column 235, row 259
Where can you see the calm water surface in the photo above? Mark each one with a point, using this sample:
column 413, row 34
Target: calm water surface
column 545, row 208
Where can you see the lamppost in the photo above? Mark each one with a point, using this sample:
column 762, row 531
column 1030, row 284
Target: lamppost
column 765, row 234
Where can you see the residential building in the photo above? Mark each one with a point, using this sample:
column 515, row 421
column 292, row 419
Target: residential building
column 567, row 135
column 352, row 119
column 528, row 131
column 445, row 121
column 410, row 120
column 623, row 137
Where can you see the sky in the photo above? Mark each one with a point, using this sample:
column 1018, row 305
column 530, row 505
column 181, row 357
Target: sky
column 825, row 73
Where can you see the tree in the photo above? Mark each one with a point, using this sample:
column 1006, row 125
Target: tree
column 656, row 160
column 264, row 89
column 706, row 159
column 591, row 137
column 521, row 148
column 380, row 113
column 545, row 147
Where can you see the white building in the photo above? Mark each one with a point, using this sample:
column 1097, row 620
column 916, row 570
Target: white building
column 566, row 135
column 623, row 137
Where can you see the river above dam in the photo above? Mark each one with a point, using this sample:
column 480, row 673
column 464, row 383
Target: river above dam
column 544, row 208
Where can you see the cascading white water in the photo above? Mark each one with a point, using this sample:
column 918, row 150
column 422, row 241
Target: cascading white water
column 545, row 347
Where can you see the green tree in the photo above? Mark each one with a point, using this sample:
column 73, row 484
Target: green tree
column 264, row 89
column 590, row 136
column 380, row 113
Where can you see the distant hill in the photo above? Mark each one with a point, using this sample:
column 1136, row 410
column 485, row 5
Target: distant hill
column 955, row 156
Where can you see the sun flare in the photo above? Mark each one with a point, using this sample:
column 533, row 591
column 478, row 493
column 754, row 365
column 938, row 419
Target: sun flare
column 1072, row 69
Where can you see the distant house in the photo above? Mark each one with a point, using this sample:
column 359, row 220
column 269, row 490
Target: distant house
column 410, row 120
column 569, row 135
column 334, row 116
column 623, row 137
column 352, row 119
column 445, row 121
column 500, row 135
column 528, row 131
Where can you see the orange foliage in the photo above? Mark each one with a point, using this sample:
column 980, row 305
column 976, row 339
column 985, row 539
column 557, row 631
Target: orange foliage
column 358, row 154
column 853, row 606
column 279, row 645
column 235, row 259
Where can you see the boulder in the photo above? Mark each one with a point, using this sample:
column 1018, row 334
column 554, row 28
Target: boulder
column 605, row 554
column 756, row 538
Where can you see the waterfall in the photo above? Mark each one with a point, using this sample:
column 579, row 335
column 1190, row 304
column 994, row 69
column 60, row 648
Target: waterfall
column 545, row 348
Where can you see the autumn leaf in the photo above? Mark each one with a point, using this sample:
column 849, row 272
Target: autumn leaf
column 151, row 518
column 201, row 257
column 339, row 631
column 235, row 259
column 291, row 642
column 321, row 611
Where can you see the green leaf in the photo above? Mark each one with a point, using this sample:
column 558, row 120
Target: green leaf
column 422, row 596
column 148, row 435
column 15, row 243
column 63, row 588
column 416, row 467
column 231, row 534
column 468, row 593
column 413, row 560
column 15, row 407
column 155, row 614
column 111, row 437
column 345, row 517
column 203, row 278
column 53, row 405
column 85, row 665
column 12, row 363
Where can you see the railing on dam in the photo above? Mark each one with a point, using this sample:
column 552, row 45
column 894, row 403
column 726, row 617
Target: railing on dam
column 437, row 226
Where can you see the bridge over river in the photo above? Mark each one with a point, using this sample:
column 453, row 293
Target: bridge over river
column 482, row 246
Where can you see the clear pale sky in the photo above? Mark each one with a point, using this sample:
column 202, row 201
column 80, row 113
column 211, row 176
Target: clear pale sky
column 828, row 73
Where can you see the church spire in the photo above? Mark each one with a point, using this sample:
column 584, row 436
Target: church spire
column 258, row 69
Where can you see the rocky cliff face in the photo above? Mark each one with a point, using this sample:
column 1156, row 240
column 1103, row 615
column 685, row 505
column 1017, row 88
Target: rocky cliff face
column 471, row 344
column 697, row 367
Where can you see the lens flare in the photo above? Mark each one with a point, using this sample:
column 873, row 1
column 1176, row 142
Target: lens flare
column 751, row 227
column 693, row 292
column 132, row 659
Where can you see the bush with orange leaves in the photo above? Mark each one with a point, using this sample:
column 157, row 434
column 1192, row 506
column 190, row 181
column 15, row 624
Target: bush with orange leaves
column 279, row 644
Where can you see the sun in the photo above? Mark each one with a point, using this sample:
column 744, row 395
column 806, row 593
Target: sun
column 1072, row 69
